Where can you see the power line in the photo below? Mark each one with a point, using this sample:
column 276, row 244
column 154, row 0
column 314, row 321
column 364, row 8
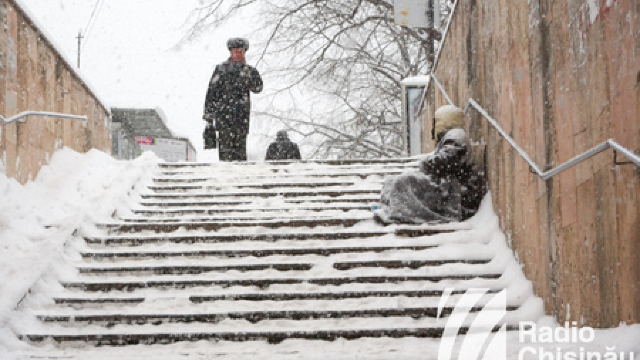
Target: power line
column 92, row 14
column 92, row 21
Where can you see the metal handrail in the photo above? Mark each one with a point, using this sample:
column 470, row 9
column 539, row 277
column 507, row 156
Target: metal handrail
column 558, row 169
column 444, row 34
column 437, row 56
column 41, row 113
column 635, row 159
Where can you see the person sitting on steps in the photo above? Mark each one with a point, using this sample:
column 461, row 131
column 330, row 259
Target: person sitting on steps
column 449, row 186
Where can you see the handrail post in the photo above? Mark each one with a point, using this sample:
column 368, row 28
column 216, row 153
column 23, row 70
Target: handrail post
column 624, row 151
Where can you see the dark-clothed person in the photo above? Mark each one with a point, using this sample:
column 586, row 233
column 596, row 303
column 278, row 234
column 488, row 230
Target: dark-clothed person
column 227, row 103
column 449, row 186
column 283, row 148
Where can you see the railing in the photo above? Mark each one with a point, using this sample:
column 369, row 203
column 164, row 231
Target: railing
column 41, row 113
column 558, row 169
column 635, row 159
column 452, row 11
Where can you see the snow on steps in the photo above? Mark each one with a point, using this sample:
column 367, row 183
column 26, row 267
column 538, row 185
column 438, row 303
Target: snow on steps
column 277, row 251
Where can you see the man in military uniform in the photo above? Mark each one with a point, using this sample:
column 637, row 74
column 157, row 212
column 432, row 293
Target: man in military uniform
column 227, row 104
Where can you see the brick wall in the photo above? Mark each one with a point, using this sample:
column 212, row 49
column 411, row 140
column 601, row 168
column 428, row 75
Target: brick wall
column 560, row 77
column 34, row 77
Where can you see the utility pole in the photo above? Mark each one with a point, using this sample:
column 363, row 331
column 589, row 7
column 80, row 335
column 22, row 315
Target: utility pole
column 79, row 37
column 433, row 24
column 430, row 26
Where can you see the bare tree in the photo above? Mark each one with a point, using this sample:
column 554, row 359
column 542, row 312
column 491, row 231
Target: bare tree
column 349, row 55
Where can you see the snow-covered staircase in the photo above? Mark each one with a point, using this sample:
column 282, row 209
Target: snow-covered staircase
column 238, row 252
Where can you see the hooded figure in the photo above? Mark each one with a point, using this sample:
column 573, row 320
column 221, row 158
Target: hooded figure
column 448, row 187
column 227, row 104
column 283, row 148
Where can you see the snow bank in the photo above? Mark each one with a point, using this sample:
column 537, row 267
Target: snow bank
column 36, row 219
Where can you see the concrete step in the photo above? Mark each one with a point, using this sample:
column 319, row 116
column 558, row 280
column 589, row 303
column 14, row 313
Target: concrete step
column 194, row 269
column 262, row 282
column 272, row 337
column 348, row 164
column 179, row 268
column 305, row 297
column 329, row 295
column 238, row 253
column 98, row 301
column 361, row 174
column 286, row 193
column 399, row 264
column 335, row 235
column 238, row 209
column 161, row 227
column 109, row 320
column 192, row 301
column 227, row 238
column 282, row 216
column 299, row 297
column 374, row 198
column 167, row 178
column 263, row 186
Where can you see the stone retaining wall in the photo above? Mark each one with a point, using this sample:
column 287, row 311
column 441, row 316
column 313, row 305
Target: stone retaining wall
column 34, row 77
column 560, row 77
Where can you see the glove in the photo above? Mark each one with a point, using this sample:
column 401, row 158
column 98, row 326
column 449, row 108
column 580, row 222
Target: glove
column 209, row 136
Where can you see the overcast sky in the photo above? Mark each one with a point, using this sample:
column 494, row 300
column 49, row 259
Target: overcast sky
column 128, row 53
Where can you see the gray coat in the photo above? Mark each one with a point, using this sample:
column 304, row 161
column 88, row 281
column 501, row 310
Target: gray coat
column 448, row 187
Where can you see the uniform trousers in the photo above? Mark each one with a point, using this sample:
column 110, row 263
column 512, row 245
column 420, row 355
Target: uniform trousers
column 232, row 145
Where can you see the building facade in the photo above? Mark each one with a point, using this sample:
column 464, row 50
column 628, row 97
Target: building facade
column 137, row 130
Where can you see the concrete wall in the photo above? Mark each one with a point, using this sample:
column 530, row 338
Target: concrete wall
column 560, row 77
column 33, row 76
